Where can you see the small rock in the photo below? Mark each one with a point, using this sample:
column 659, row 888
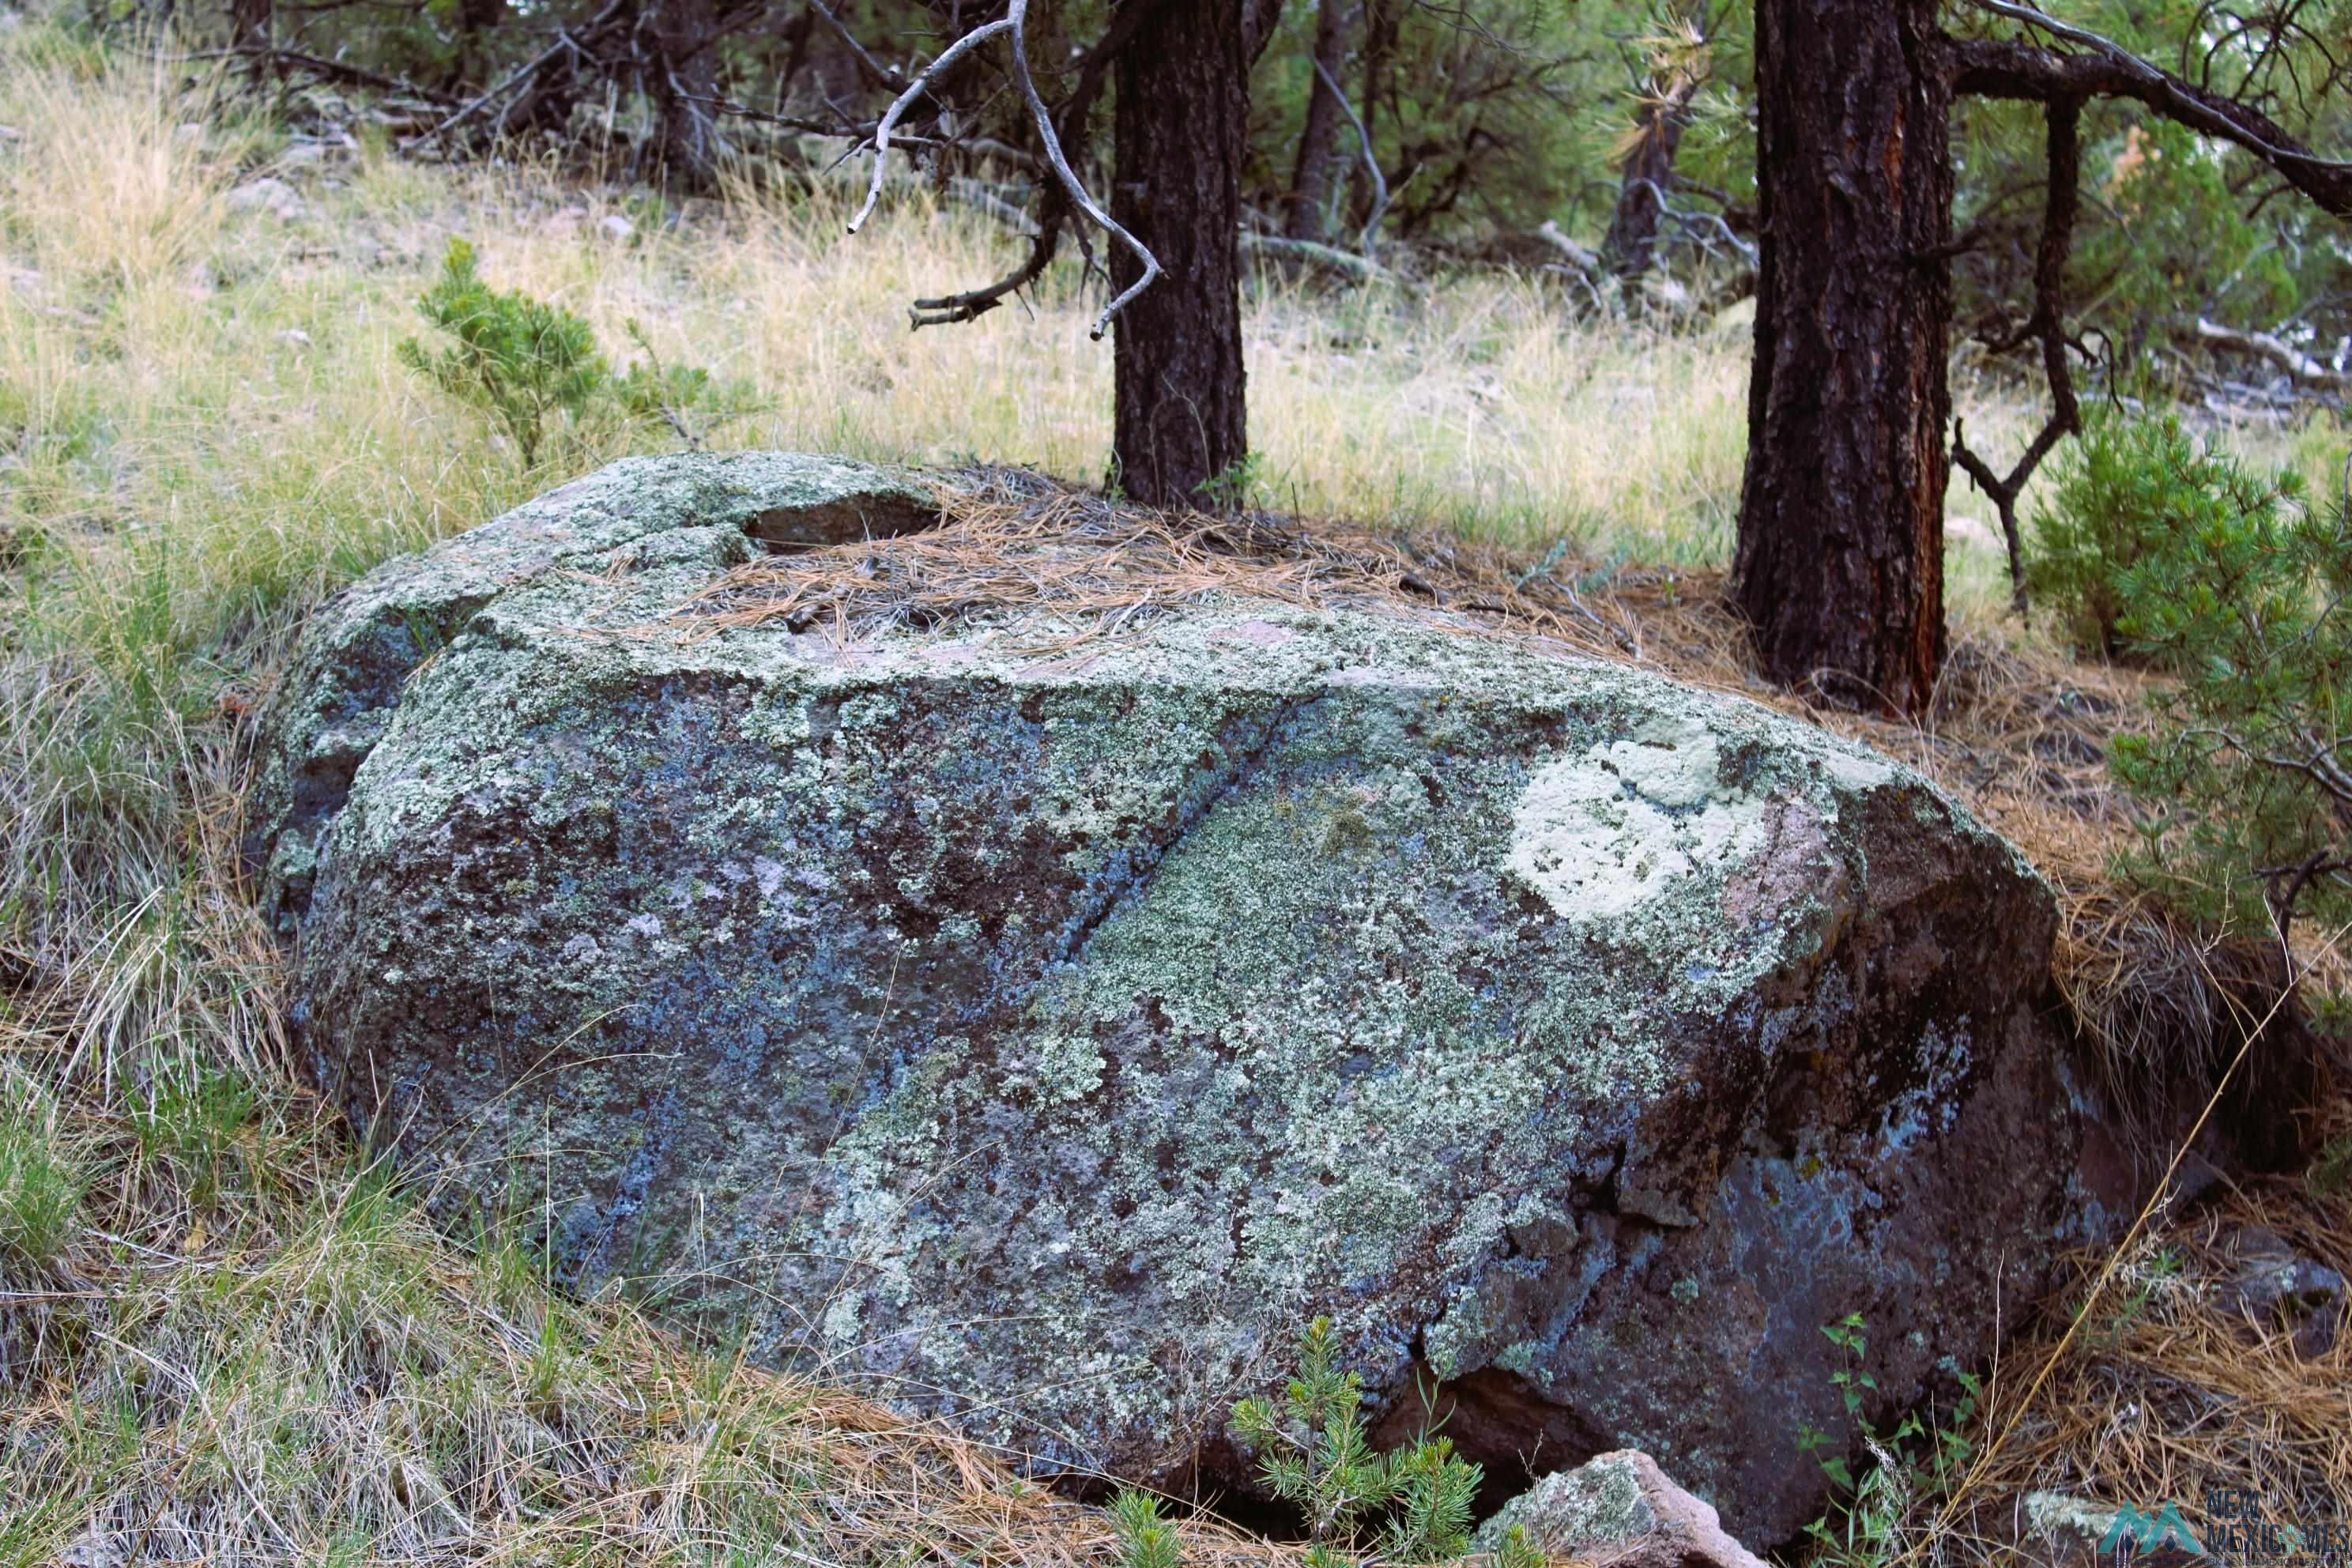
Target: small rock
column 2194, row 1180
column 2066, row 1529
column 270, row 192
column 2274, row 1283
column 616, row 228
column 1622, row 1509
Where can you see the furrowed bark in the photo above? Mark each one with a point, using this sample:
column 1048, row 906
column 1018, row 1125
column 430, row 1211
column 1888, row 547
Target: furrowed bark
column 1182, row 118
column 1840, row 566
column 1308, row 217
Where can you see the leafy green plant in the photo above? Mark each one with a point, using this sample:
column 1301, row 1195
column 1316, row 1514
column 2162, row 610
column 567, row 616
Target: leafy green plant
column 2140, row 514
column 1863, row 1525
column 1239, row 485
column 526, row 362
column 1313, row 1452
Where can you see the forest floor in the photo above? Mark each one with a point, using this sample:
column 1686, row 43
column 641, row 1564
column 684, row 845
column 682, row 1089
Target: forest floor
column 224, row 1337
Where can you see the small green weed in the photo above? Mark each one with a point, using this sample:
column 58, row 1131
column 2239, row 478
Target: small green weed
column 2330, row 1176
column 40, row 1186
column 1864, row 1527
column 1240, row 485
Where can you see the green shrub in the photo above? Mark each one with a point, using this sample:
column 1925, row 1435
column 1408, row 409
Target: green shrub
column 1313, row 1452
column 2138, row 506
column 525, row 363
column 2232, row 584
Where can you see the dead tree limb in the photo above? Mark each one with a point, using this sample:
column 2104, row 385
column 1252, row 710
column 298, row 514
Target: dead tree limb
column 906, row 100
column 1072, row 196
column 2299, row 366
column 1988, row 68
column 2046, row 325
column 1380, row 192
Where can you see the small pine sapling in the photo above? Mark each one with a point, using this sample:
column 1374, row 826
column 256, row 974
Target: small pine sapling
column 1314, row 1453
column 1145, row 1539
column 520, row 359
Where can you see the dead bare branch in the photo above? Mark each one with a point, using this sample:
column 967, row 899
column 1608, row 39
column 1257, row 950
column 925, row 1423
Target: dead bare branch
column 2299, row 366
column 906, row 100
column 1995, row 69
column 2048, row 326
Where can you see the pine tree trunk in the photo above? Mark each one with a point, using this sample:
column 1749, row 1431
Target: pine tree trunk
column 248, row 26
column 1182, row 120
column 1840, row 566
column 685, row 82
column 1310, row 182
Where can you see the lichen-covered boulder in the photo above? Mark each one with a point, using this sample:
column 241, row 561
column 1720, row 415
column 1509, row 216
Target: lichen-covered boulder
column 1043, row 1038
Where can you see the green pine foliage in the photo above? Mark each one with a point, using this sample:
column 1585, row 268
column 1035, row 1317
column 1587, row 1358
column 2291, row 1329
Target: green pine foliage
column 2183, row 559
column 1314, row 1453
column 1145, row 1539
column 2147, row 525
column 533, row 367
column 519, row 359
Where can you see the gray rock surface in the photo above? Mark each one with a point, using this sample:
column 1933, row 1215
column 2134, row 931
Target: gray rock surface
column 1041, row 1040
column 1619, row 1508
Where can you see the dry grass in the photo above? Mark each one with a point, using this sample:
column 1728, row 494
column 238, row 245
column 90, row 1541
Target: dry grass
column 222, row 1337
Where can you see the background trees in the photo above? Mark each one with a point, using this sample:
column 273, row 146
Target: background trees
column 1840, row 560
column 2128, row 195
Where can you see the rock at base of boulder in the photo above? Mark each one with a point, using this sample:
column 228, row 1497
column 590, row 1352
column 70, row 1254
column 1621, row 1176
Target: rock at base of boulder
column 1619, row 1508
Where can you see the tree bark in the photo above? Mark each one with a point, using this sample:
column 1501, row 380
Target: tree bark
column 1380, row 28
column 1310, row 182
column 1839, row 562
column 685, row 79
column 1181, row 121
column 248, row 26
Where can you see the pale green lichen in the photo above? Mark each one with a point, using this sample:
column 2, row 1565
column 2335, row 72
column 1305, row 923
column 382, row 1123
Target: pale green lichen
column 1590, row 1509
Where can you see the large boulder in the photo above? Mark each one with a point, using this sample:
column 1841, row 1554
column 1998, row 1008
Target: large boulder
column 1043, row 1038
